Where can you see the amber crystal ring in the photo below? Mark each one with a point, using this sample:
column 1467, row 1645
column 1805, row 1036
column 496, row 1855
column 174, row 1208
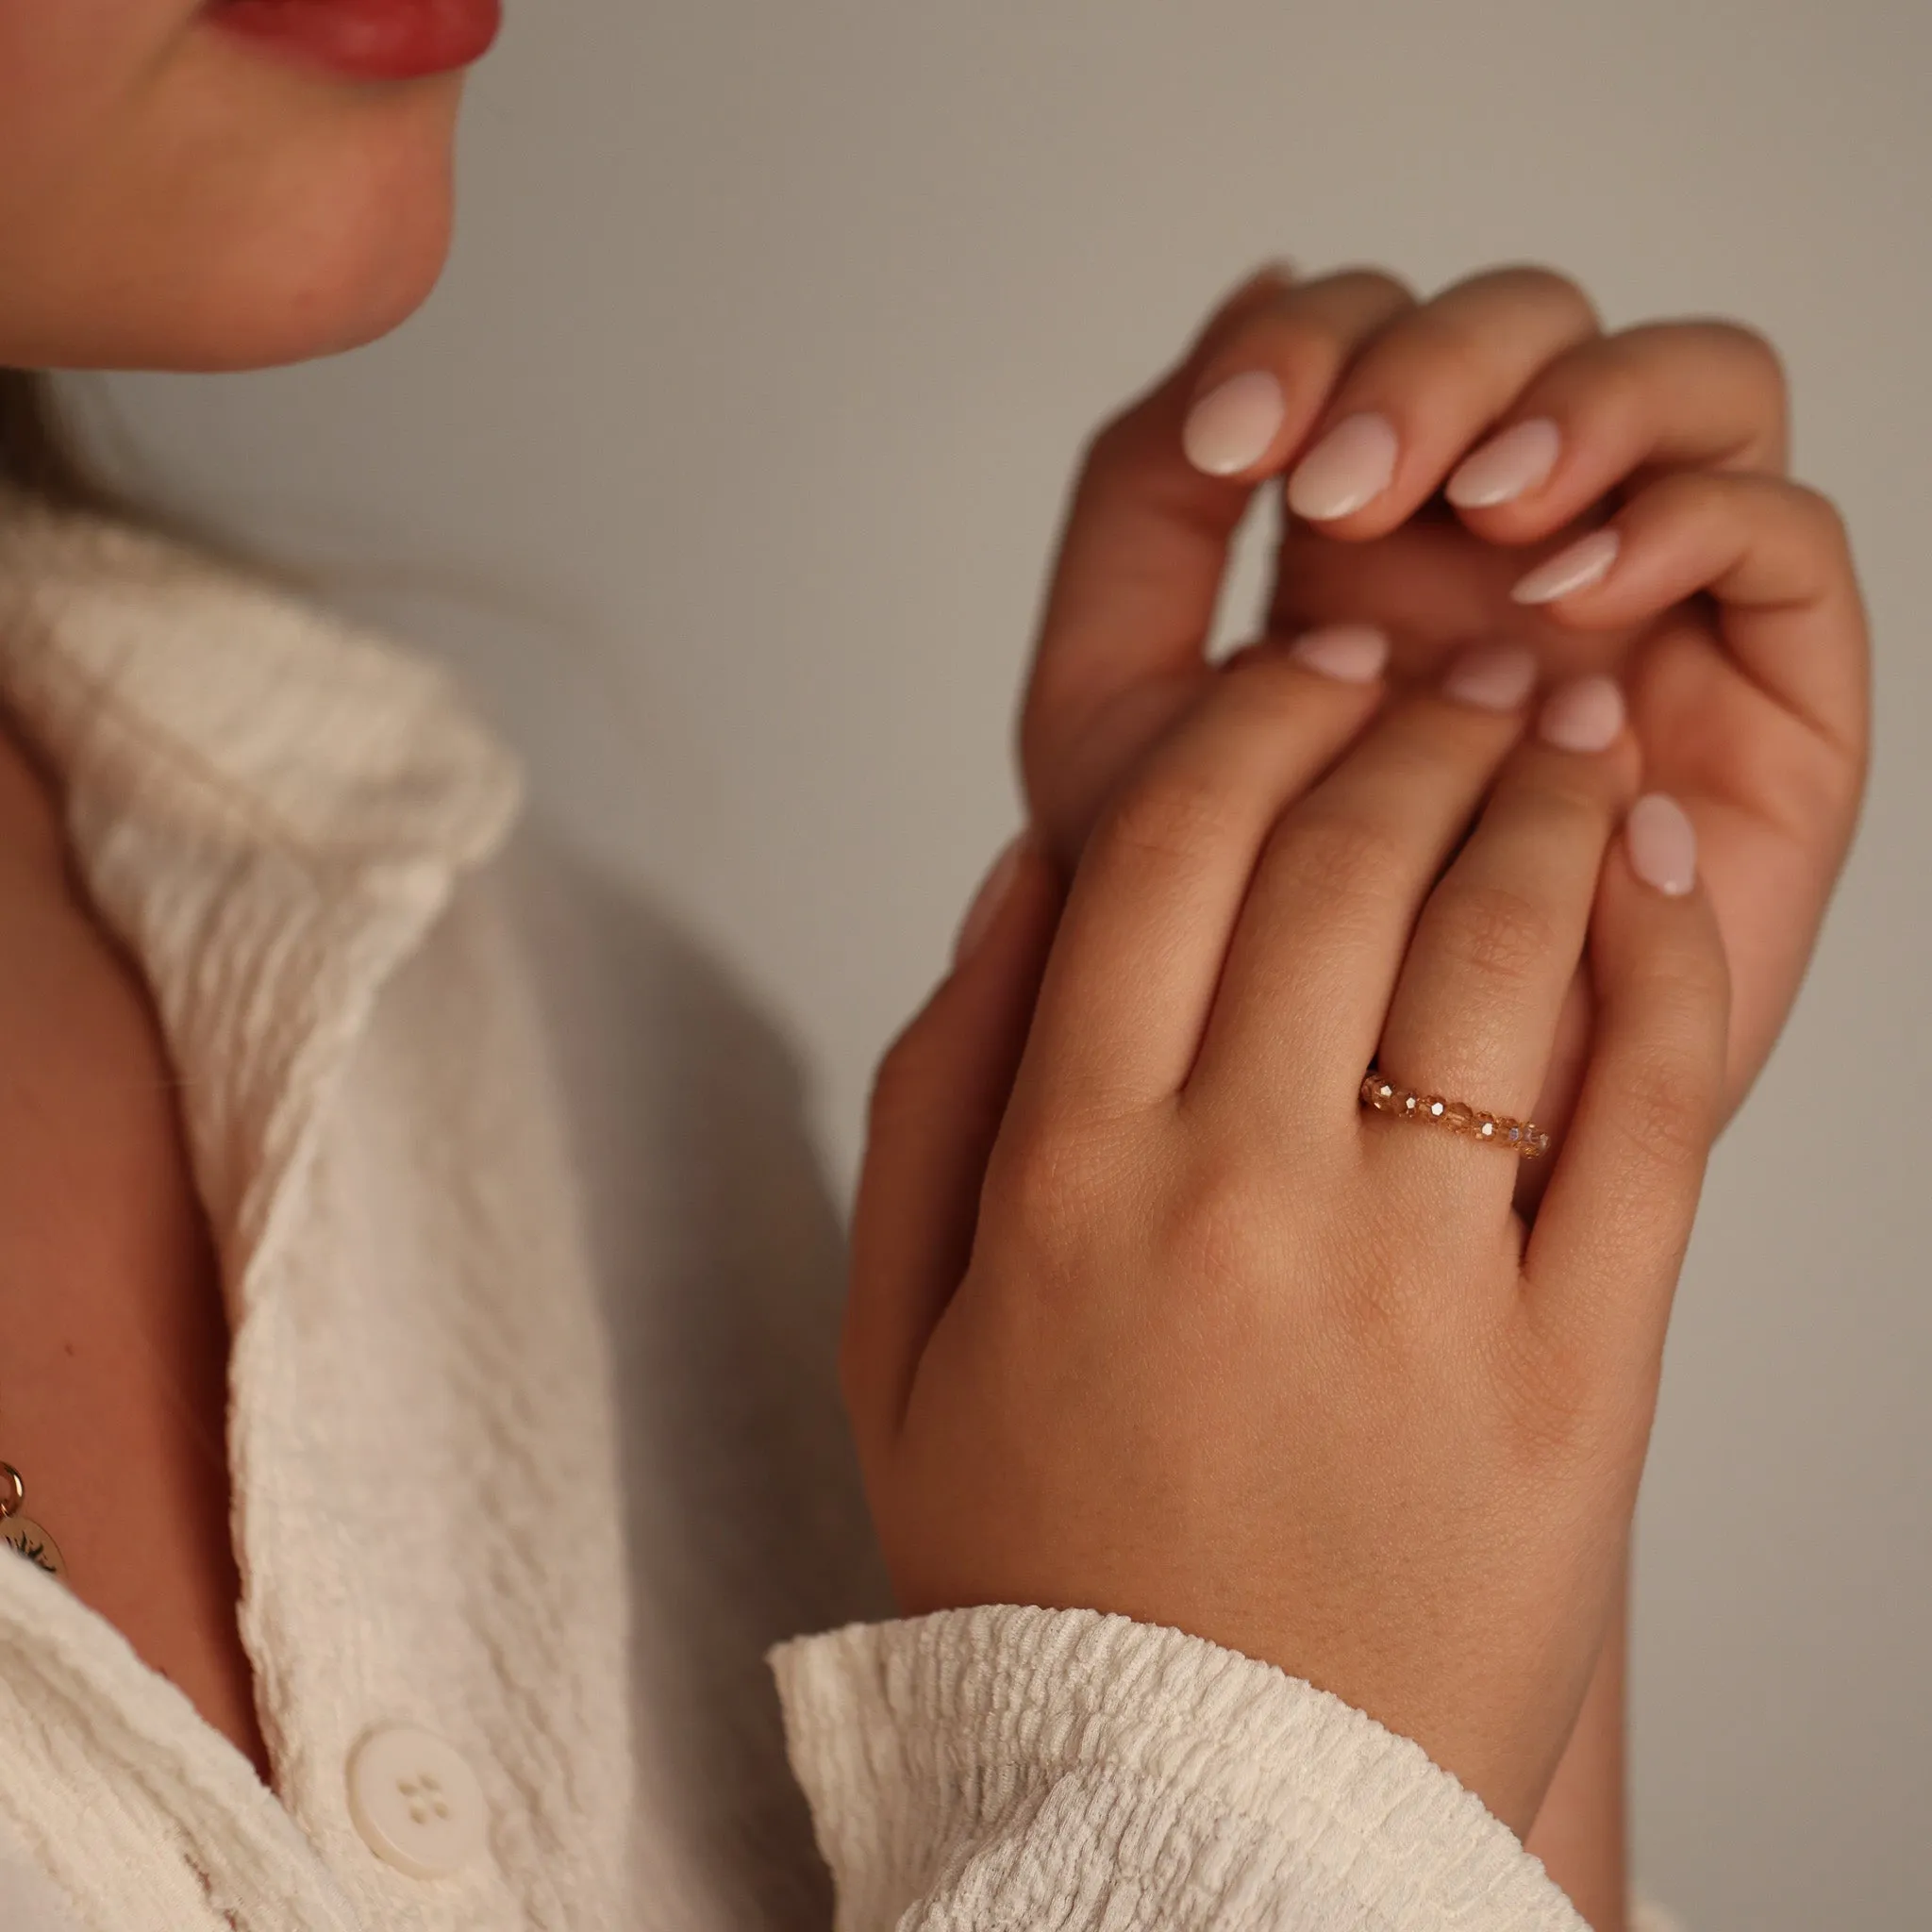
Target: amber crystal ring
column 1523, row 1139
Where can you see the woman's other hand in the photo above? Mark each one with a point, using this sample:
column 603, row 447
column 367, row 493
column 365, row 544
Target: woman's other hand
column 1443, row 459
column 1182, row 1330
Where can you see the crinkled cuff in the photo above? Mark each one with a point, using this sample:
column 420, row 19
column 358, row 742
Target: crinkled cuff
column 1061, row 1770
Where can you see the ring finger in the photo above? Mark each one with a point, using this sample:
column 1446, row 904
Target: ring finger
column 1476, row 1005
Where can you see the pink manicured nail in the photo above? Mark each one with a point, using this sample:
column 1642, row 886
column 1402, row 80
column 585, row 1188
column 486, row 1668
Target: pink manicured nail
column 1575, row 569
column 1355, row 653
column 1493, row 677
column 1663, row 844
column 987, row 900
column 1586, row 714
column 1352, row 465
column 1505, row 466
column 1229, row 430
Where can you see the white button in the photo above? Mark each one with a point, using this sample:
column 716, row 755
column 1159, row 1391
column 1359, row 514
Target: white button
column 416, row 1803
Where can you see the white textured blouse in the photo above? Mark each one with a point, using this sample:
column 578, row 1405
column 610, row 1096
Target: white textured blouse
column 535, row 1450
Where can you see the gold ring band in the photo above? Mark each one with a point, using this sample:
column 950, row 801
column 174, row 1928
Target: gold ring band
column 1521, row 1138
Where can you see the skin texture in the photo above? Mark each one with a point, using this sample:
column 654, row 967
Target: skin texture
column 1230, row 1352
column 138, row 140
column 1733, row 615
column 1581, row 1833
column 1741, row 579
column 170, row 196
column 113, row 1395
column 133, row 142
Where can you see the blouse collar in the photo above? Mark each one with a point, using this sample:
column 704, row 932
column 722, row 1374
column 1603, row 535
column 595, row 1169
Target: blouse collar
column 267, row 805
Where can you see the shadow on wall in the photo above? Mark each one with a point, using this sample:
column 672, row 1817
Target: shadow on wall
column 722, row 1260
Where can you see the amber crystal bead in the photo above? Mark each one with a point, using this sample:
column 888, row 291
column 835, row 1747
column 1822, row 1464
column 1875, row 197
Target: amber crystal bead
column 1522, row 1137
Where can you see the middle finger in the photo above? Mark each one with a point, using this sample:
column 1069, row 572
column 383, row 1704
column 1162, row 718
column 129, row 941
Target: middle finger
column 1424, row 389
column 1313, row 959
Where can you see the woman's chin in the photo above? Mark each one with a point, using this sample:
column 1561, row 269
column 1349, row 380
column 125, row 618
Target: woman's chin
column 256, row 215
column 310, row 304
column 254, row 310
column 334, row 243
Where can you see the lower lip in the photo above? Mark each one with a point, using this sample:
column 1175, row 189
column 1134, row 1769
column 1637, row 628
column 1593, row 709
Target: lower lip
column 367, row 40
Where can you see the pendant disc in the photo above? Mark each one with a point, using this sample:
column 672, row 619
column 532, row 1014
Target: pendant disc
column 33, row 1543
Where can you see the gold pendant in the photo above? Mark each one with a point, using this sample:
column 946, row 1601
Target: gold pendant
column 33, row 1543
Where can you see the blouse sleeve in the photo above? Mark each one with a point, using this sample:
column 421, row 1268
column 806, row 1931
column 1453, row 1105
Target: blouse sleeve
column 1059, row 1770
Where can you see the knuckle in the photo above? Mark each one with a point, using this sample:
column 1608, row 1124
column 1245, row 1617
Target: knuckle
column 1461, row 354
column 1219, row 1237
column 1118, row 459
column 1665, row 1104
column 1686, row 990
column 1753, row 373
column 1576, row 808
column 1369, row 282
column 1319, row 329
column 1462, row 323
column 1828, row 522
column 1175, row 817
column 896, row 1080
column 1571, row 802
column 1108, row 445
column 1052, row 1182
column 1495, row 932
column 1549, row 288
column 916, row 1084
column 1105, row 476
column 1308, row 352
column 1753, row 347
column 1334, row 859
column 1620, row 386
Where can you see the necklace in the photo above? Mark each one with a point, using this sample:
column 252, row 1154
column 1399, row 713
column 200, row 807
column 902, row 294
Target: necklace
column 20, row 1532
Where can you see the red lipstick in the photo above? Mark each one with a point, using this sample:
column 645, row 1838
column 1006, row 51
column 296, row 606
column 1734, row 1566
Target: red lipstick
column 369, row 40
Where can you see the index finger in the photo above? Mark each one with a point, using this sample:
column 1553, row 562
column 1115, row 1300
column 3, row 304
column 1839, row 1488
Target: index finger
column 1144, row 548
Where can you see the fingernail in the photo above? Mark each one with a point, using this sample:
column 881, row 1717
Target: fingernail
column 987, row 900
column 1231, row 426
column 1354, row 653
column 1352, row 465
column 1505, row 466
column 1575, row 569
column 1586, row 714
column 1663, row 844
column 1493, row 677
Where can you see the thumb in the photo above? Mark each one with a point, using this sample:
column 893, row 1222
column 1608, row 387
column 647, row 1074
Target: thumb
column 936, row 1103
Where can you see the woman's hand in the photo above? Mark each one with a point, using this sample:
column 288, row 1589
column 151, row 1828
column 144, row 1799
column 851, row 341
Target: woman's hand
column 1729, row 609
column 1217, row 1347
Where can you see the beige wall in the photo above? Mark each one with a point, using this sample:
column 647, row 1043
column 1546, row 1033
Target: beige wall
column 726, row 460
